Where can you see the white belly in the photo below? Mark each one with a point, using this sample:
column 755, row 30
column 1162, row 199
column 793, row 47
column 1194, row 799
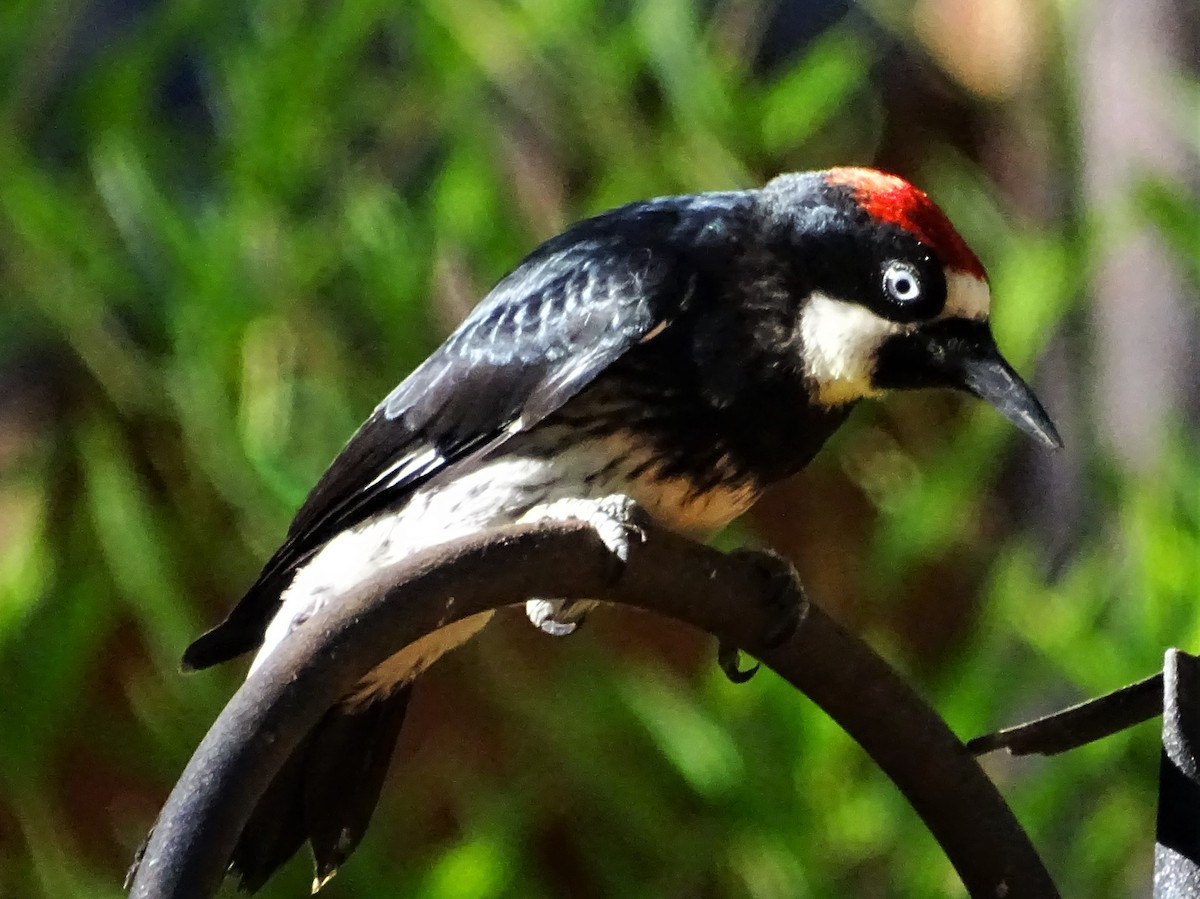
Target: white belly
column 495, row 494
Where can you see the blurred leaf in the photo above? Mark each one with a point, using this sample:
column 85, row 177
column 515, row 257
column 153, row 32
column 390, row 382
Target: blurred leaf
column 1177, row 217
column 470, row 870
column 802, row 102
column 696, row 745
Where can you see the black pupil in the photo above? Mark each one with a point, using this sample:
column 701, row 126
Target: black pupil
column 903, row 286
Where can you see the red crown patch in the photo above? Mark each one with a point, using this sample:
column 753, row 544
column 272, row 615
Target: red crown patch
column 891, row 199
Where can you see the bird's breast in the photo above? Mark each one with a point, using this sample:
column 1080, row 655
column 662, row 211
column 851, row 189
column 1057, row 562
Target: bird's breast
column 631, row 463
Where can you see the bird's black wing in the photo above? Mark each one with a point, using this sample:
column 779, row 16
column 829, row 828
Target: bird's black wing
column 570, row 310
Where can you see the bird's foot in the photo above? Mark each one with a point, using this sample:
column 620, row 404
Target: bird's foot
column 783, row 596
column 729, row 660
column 558, row 617
column 613, row 518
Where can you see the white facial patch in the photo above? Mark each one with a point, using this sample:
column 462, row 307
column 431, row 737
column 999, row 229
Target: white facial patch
column 966, row 297
column 839, row 341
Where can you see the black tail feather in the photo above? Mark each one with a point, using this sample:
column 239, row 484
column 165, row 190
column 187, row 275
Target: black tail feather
column 347, row 765
column 276, row 829
column 325, row 793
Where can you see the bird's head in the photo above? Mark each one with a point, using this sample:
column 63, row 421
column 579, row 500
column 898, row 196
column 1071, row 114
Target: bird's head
column 891, row 297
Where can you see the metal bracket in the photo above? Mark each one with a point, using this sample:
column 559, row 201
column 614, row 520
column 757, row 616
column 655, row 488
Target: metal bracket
column 1177, row 838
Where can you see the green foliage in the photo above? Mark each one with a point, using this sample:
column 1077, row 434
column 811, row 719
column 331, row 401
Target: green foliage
column 212, row 294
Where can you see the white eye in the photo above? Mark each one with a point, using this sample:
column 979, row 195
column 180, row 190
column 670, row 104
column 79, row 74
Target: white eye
column 902, row 282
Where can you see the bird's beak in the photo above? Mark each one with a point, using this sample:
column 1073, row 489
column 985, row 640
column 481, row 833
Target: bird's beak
column 962, row 354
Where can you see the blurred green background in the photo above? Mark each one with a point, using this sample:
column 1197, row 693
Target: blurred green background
column 226, row 230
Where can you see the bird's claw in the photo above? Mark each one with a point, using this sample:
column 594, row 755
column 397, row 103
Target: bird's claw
column 614, row 519
column 729, row 658
column 557, row 617
column 785, row 602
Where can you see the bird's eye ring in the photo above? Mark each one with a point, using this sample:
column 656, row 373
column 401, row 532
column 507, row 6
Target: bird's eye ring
column 901, row 282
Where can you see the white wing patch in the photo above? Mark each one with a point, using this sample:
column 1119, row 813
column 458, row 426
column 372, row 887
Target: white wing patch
column 408, row 466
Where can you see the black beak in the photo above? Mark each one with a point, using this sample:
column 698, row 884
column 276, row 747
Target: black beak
column 963, row 355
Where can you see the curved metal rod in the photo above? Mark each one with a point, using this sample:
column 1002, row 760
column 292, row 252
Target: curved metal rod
column 731, row 596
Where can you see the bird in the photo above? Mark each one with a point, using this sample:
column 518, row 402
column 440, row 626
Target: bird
column 684, row 352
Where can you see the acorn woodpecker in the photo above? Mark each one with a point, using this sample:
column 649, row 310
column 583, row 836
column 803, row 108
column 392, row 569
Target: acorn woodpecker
column 685, row 352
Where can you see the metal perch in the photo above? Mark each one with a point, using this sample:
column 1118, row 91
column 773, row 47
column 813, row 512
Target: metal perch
column 729, row 596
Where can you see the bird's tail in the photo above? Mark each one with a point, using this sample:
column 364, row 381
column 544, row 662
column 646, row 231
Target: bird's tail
column 325, row 792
